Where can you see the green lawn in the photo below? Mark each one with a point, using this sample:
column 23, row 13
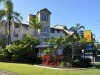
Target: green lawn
column 26, row 69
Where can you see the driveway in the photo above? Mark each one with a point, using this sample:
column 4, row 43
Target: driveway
column 2, row 72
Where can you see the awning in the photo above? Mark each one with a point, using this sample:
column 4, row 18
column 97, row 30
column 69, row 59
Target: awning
column 43, row 46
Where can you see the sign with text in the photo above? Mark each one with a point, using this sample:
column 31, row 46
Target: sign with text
column 87, row 35
column 88, row 47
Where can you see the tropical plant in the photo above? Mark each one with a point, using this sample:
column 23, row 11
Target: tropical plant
column 20, row 51
column 35, row 24
column 9, row 17
column 78, row 33
column 3, row 41
column 78, row 29
column 24, row 49
column 59, row 41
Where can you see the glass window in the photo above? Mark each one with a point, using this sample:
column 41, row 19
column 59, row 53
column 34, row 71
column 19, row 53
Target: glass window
column 47, row 17
column 16, row 26
column 52, row 31
column 15, row 35
column 57, row 31
column 44, row 17
column 45, row 34
column 42, row 39
column 26, row 27
column 45, row 29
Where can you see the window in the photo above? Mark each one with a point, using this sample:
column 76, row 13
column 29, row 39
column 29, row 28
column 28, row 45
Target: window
column 47, row 17
column 44, row 17
column 15, row 35
column 45, row 29
column 16, row 26
column 26, row 27
column 57, row 31
column 45, row 34
column 42, row 40
column 52, row 31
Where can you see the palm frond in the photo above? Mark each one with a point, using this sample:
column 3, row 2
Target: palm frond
column 93, row 35
column 77, row 26
column 17, row 15
column 72, row 29
column 1, row 1
column 2, row 13
column 81, row 27
column 33, row 21
column 8, row 4
column 39, row 26
column 15, row 19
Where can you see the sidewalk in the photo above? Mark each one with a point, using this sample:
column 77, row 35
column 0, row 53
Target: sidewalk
column 61, row 68
column 2, row 72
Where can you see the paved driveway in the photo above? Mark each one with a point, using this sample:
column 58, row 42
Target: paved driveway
column 7, row 73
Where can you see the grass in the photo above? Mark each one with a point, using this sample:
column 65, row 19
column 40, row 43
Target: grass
column 26, row 69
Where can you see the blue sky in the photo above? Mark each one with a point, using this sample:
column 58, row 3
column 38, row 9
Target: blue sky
column 65, row 12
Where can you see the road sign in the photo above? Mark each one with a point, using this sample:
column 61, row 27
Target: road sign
column 89, row 47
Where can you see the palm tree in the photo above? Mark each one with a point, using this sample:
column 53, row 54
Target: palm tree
column 78, row 30
column 35, row 25
column 9, row 17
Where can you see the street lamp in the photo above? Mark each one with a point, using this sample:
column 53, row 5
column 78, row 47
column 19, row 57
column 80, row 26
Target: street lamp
column 83, row 52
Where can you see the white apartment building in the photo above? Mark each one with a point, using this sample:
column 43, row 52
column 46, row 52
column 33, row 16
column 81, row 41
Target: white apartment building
column 59, row 30
column 18, row 33
column 44, row 18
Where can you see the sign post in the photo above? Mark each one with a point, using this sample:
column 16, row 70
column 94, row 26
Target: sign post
column 89, row 47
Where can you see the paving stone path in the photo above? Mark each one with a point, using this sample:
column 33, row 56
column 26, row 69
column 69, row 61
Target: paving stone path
column 2, row 72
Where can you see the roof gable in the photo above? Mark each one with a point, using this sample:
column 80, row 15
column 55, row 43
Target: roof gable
column 45, row 9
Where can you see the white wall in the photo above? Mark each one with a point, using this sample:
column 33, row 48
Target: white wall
column 31, row 31
column 55, row 34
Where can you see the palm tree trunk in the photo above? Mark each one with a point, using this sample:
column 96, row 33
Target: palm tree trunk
column 9, row 23
column 36, row 33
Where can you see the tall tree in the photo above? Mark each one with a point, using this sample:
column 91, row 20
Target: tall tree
column 78, row 29
column 9, row 16
column 78, row 32
column 35, row 25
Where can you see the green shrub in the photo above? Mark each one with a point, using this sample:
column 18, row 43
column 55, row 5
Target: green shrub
column 15, row 58
column 83, row 63
column 76, row 63
column 38, row 60
column 18, row 58
column 2, row 57
column 68, row 64
column 63, row 64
